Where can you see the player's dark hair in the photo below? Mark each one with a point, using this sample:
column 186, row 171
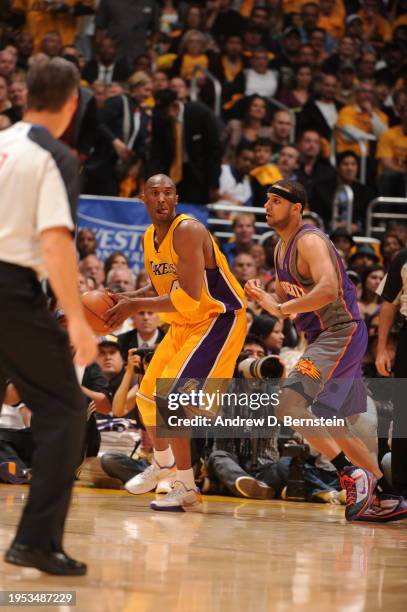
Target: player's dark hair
column 51, row 84
column 296, row 189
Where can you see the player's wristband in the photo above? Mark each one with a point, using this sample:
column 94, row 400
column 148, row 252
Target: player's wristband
column 183, row 302
column 283, row 316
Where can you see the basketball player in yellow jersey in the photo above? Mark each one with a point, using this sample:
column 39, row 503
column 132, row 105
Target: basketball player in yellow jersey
column 199, row 297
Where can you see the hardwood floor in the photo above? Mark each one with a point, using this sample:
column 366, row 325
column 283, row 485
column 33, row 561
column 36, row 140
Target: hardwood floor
column 240, row 555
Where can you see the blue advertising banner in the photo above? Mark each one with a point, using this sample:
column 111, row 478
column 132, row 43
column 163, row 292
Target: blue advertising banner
column 119, row 224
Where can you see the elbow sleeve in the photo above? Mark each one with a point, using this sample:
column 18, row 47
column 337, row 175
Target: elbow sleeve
column 182, row 302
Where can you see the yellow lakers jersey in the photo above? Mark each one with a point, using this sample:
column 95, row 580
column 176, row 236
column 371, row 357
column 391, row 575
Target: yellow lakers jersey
column 221, row 291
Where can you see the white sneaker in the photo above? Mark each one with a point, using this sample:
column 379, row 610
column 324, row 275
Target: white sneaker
column 148, row 480
column 179, row 499
column 165, row 486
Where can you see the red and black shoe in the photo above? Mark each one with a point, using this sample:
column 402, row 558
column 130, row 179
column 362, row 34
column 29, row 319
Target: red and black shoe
column 359, row 485
column 384, row 509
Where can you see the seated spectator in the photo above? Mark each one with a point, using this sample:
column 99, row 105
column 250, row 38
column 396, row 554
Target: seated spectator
column 51, row 44
column 25, row 47
column 369, row 302
column 363, row 258
column 254, row 125
column 192, row 54
column 160, row 81
column 116, row 260
column 347, row 171
column 393, row 57
column 234, row 182
column 85, row 242
column 366, row 66
column 343, row 56
column 7, row 64
column 146, row 332
column 264, row 173
column 17, row 92
column 5, row 104
column 120, row 279
column 106, row 67
column 281, row 131
column 376, row 29
column 390, row 246
column 231, row 59
column 258, row 78
column 270, row 330
column 244, row 268
column 288, row 162
column 306, row 55
column 331, row 18
column 321, row 113
column 392, row 155
column 345, row 90
column 298, row 91
column 243, row 230
column 180, row 87
column 169, row 15
column 310, row 13
column 399, row 102
column 342, row 241
column 317, row 40
column 92, row 266
column 360, row 121
column 313, row 170
column 290, row 44
column 257, row 251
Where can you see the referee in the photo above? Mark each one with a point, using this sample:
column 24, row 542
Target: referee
column 39, row 189
column 394, row 294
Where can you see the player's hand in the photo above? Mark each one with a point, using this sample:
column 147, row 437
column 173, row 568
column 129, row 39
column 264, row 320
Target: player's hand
column 120, row 312
column 253, row 288
column 133, row 360
column 118, row 297
column 383, row 363
column 83, row 341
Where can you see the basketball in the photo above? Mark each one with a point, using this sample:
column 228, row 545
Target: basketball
column 95, row 304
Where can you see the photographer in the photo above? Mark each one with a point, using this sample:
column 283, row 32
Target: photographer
column 115, row 464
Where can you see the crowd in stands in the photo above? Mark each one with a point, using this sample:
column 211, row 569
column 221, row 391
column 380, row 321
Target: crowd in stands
column 226, row 97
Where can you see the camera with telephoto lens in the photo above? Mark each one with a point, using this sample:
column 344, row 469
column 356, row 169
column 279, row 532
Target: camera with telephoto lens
column 296, row 485
column 146, row 355
column 266, row 368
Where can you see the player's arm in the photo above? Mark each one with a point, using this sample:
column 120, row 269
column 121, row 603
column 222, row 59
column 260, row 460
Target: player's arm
column 58, row 253
column 130, row 295
column 315, row 253
column 188, row 244
column 387, row 315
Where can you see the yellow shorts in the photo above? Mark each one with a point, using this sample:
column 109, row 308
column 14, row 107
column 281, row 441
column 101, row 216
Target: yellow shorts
column 208, row 349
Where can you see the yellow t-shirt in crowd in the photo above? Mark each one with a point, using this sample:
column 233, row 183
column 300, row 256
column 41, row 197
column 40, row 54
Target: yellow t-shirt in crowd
column 188, row 64
column 334, row 24
column 393, row 144
column 353, row 115
column 383, row 28
column 267, row 174
column 39, row 21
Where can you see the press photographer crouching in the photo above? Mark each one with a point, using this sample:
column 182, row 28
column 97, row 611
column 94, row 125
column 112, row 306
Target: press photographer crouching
column 118, row 464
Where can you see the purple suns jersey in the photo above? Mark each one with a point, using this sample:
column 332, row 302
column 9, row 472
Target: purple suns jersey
column 342, row 310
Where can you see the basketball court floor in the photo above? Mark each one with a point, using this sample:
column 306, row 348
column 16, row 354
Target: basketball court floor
column 249, row 555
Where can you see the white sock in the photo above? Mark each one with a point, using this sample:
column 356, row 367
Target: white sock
column 186, row 477
column 164, row 458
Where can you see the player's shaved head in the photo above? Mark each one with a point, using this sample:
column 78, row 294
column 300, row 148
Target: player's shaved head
column 159, row 179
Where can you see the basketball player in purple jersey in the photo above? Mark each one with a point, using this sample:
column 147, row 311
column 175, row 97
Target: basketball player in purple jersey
column 312, row 285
